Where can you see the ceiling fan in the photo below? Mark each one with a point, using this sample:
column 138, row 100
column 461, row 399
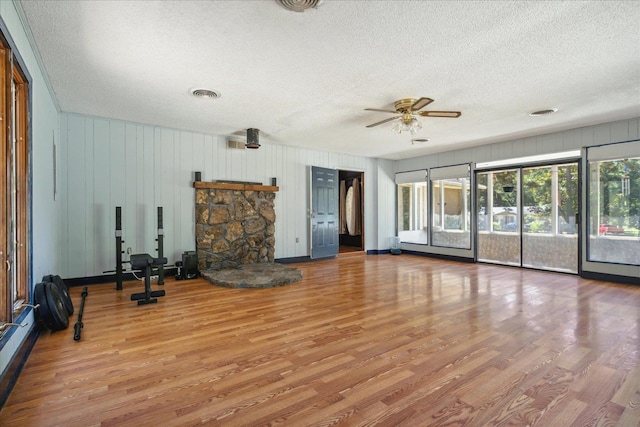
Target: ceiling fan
column 407, row 109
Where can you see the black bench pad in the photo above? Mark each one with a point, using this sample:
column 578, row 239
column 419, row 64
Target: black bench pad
column 142, row 261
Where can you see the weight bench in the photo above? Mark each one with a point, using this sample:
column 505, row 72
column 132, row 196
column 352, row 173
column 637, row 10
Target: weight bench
column 145, row 263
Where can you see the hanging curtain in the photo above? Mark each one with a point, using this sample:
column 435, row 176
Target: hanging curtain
column 342, row 216
column 356, row 216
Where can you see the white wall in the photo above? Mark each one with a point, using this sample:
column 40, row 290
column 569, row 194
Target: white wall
column 45, row 211
column 386, row 207
column 107, row 163
column 574, row 139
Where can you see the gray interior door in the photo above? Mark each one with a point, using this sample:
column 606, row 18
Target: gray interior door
column 324, row 212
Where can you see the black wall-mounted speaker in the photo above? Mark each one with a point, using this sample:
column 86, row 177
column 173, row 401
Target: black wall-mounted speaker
column 253, row 138
column 198, row 176
column 274, row 181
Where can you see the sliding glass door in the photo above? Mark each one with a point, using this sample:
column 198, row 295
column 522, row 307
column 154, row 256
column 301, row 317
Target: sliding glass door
column 527, row 217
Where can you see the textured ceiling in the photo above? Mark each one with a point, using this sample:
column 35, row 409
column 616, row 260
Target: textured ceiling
column 304, row 79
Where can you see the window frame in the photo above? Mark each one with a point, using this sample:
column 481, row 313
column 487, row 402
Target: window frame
column 416, row 210
column 440, row 176
column 598, row 154
column 15, row 175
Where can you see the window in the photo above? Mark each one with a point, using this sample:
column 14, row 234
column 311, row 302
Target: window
column 451, row 207
column 498, row 201
column 15, row 200
column 614, row 203
column 550, row 195
column 412, row 207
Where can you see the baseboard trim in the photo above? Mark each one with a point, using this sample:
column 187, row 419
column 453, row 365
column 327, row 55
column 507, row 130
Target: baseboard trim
column 592, row 275
column 378, row 251
column 440, row 256
column 295, row 259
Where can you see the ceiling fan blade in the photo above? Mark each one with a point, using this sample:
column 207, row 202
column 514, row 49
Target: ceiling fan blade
column 383, row 121
column 383, row 111
column 421, row 103
column 450, row 114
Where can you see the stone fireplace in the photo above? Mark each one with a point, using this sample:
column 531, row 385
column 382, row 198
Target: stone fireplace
column 235, row 224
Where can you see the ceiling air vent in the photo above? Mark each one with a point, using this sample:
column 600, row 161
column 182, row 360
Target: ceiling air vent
column 238, row 145
column 299, row 5
column 205, row 93
column 543, row 112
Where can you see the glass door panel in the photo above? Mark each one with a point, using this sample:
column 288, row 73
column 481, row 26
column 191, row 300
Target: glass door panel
column 498, row 217
column 549, row 231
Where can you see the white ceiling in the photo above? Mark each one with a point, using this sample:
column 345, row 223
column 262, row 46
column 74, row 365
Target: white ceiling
column 304, row 79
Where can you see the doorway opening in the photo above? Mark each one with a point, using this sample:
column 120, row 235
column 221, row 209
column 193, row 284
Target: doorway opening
column 351, row 208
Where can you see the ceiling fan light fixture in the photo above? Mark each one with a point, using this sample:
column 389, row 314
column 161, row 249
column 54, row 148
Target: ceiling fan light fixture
column 415, row 126
column 406, row 124
column 408, row 110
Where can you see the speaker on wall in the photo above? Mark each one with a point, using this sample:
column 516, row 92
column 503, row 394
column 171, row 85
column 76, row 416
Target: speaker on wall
column 274, row 181
column 198, row 176
column 253, row 136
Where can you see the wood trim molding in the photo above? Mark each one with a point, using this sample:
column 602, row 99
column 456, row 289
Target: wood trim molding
column 234, row 186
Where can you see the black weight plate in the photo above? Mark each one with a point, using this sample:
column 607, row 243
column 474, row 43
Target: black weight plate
column 59, row 316
column 63, row 289
column 43, row 312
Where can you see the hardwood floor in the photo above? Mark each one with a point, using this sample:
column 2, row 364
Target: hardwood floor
column 344, row 250
column 372, row 340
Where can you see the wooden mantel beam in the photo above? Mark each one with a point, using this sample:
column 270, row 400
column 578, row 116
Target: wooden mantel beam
column 234, row 186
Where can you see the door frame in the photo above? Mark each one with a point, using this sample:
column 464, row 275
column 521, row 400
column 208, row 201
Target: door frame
column 360, row 175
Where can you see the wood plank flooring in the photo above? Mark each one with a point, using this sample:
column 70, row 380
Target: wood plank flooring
column 372, row 340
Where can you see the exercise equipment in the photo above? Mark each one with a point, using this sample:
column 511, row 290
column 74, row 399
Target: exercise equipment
column 188, row 267
column 119, row 250
column 63, row 289
column 79, row 325
column 160, row 249
column 145, row 263
column 119, row 241
column 51, row 311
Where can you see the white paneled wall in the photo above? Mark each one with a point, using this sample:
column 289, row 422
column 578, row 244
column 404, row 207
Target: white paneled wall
column 386, row 209
column 107, row 163
column 623, row 130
